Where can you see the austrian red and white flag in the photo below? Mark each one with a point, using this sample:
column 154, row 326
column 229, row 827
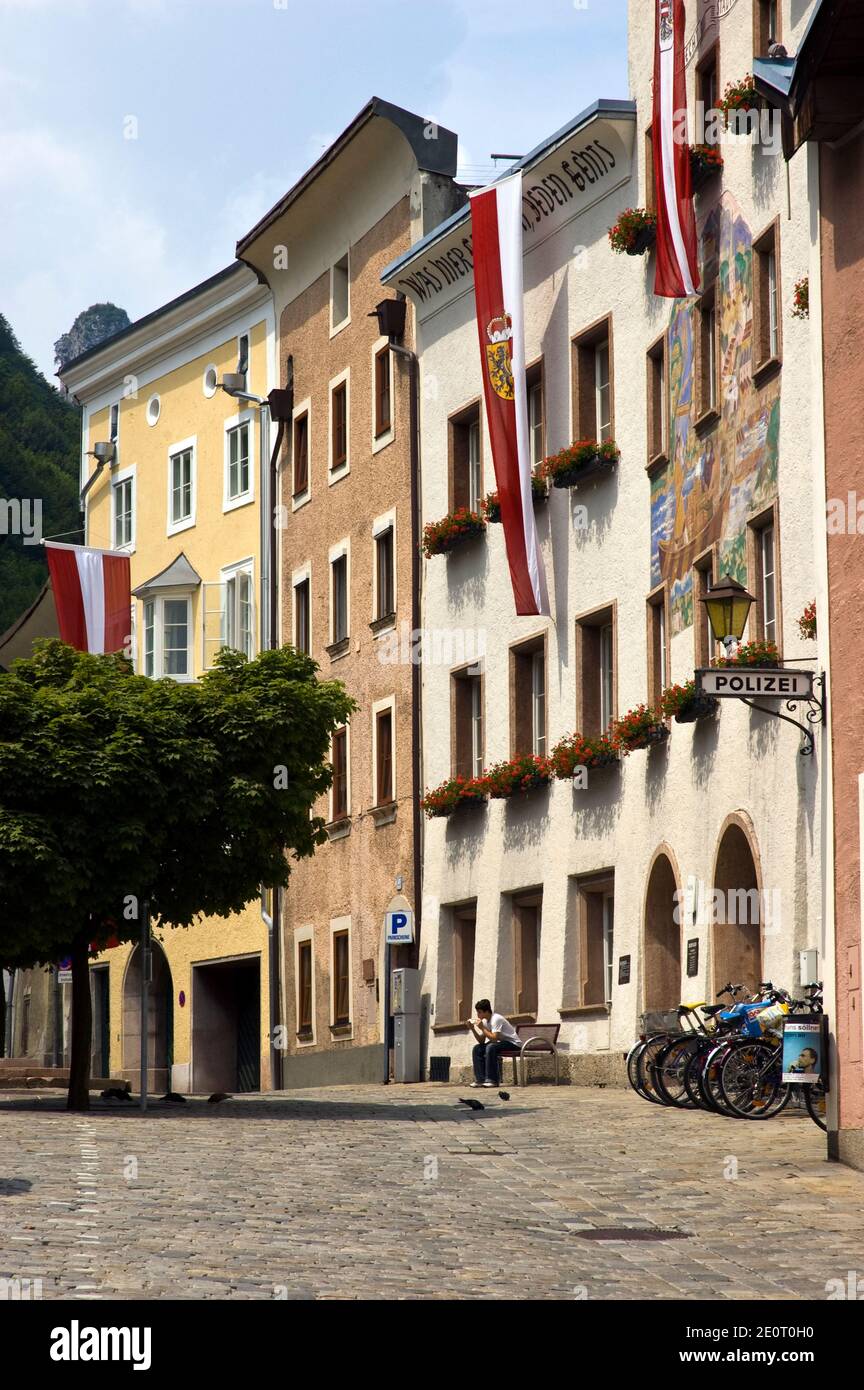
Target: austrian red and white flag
column 677, row 273
column 496, row 226
column 92, row 595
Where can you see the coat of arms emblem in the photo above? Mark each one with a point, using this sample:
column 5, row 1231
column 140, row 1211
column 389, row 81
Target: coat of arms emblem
column 666, row 26
column 499, row 331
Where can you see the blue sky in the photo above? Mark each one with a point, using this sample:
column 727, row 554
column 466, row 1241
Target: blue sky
column 230, row 101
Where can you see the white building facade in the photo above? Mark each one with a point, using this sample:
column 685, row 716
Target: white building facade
column 590, row 901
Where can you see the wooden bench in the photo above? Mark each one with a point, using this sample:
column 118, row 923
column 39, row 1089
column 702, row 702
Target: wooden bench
column 533, row 1038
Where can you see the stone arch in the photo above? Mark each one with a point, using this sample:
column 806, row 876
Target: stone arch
column 736, row 906
column 160, row 1016
column 661, row 933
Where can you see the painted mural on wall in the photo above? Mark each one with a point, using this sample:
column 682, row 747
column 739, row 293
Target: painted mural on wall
column 715, row 481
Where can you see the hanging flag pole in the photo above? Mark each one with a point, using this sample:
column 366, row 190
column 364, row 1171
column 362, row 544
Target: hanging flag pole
column 496, row 228
column 677, row 271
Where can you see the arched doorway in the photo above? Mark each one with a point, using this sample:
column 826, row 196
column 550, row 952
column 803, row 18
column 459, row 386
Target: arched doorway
column 662, row 936
column 736, row 930
column 160, row 1015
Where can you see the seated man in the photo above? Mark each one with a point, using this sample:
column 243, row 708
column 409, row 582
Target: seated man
column 493, row 1033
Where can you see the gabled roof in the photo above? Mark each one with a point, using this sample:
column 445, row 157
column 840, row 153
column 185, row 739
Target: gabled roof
column 178, row 575
column 604, row 106
column 436, row 156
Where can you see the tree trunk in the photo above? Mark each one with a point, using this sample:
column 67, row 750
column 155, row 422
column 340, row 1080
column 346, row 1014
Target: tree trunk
column 82, row 1026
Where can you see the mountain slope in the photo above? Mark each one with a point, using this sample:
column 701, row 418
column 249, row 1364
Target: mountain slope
column 40, row 442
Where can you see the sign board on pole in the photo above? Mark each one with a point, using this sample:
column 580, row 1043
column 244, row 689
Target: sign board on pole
column 398, row 922
column 734, row 682
column 64, row 971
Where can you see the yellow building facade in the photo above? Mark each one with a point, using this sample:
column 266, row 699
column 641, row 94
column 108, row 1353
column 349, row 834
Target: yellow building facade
column 185, row 495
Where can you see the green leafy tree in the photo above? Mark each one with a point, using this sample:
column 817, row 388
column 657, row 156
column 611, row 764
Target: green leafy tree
column 116, row 789
column 91, row 328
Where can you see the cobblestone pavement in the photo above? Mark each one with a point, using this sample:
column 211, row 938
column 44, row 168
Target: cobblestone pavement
column 387, row 1193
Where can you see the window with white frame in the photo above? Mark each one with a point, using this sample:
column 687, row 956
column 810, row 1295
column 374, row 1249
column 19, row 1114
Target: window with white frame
column 603, row 390
column 384, row 587
column 181, row 486
column 538, row 702
column 534, row 386
column 302, row 616
column 339, row 613
column 238, row 468
column 167, row 636
column 238, row 610
column 123, row 508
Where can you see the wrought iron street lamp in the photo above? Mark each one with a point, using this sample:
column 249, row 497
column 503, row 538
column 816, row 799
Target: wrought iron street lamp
column 728, row 604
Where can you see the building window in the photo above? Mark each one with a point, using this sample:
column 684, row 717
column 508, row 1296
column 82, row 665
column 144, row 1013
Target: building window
column 302, row 617
column 595, row 670
column 304, row 990
column 238, row 482
column 238, row 627
column 339, row 789
column 467, row 749
column 767, row 336
column 384, row 792
column 707, row 80
column 658, row 647
column 528, row 698
column 339, row 599
column 593, row 396
column 339, row 427
column 708, row 357
column 114, row 425
column 766, row 26
column 341, row 979
column 339, row 293
column 385, row 594
column 536, row 430
column 590, row 956
column 123, row 498
column 703, row 578
column 526, row 952
column 657, row 402
column 181, row 504
column 464, row 937
column 167, row 637
column 383, row 418
column 466, row 460
column 300, row 453
column 765, row 573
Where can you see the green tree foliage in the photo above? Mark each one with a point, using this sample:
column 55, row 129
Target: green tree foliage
column 115, row 788
column 91, row 328
column 40, row 443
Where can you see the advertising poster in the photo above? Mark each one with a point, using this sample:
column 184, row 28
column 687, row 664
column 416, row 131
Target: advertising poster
column 802, row 1050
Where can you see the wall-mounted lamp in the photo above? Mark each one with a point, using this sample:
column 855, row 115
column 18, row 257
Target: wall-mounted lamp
column 728, row 605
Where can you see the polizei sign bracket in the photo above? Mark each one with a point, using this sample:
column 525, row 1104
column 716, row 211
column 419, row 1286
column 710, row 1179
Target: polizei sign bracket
column 749, row 683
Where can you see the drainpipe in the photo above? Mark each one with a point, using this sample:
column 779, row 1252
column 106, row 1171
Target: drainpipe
column 410, row 358
column 281, row 406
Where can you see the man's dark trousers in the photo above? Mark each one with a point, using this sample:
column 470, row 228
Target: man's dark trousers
column 487, row 1060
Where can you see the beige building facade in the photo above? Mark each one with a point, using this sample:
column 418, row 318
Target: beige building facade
column 348, row 571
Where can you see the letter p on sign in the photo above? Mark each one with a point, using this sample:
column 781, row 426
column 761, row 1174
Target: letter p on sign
column 399, row 927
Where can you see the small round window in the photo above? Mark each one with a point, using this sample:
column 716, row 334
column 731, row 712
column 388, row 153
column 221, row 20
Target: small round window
column 154, row 410
column 211, row 380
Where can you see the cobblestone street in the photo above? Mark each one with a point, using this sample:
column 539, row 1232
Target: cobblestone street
column 403, row 1193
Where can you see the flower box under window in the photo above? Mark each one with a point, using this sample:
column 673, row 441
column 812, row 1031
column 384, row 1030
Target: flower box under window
column 579, row 462
column 440, row 537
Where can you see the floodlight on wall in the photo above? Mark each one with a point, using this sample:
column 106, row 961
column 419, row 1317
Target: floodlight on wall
column 232, row 382
column 390, row 314
column 105, row 452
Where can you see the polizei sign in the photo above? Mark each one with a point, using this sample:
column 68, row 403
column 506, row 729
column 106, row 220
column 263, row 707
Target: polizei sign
column 730, row 681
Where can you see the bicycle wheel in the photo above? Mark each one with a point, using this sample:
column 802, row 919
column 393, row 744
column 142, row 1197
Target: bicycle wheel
column 751, row 1081
column 817, row 1104
column 693, row 1070
column 670, row 1068
column 708, row 1077
column 645, row 1068
column 633, row 1064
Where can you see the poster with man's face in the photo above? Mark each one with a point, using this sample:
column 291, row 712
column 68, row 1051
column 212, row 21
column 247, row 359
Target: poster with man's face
column 802, row 1050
